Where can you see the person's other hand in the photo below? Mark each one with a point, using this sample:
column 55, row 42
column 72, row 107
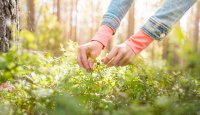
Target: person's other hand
column 120, row 55
column 86, row 54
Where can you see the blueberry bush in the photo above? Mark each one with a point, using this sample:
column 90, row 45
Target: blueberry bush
column 42, row 84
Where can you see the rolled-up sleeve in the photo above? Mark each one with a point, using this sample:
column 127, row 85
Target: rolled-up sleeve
column 115, row 13
column 159, row 25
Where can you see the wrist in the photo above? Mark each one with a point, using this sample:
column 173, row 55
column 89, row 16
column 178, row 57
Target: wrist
column 139, row 41
column 103, row 35
column 98, row 44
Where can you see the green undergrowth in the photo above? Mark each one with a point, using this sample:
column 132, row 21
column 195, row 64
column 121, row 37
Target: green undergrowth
column 43, row 84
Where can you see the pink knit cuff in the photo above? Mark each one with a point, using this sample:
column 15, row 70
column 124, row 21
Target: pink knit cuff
column 139, row 41
column 103, row 35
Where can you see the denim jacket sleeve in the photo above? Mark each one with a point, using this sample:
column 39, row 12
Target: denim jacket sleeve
column 115, row 13
column 158, row 25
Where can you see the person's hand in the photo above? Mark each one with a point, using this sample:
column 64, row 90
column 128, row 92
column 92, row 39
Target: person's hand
column 87, row 53
column 120, row 55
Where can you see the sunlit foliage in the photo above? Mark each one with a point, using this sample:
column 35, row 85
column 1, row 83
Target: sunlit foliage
column 57, row 85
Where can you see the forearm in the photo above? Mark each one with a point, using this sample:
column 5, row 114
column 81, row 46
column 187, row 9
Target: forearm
column 115, row 13
column 103, row 35
column 111, row 20
column 159, row 25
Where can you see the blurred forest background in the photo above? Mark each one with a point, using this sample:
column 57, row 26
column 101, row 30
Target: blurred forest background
column 48, row 24
column 41, row 74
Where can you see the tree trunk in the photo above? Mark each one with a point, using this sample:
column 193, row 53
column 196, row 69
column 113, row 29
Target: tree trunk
column 92, row 19
column 58, row 10
column 73, row 19
column 31, row 15
column 195, row 32
column 131, row 20
column 165, row 52
column 8, row 14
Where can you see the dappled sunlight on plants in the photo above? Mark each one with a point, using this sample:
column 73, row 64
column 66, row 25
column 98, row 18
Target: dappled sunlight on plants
column 57, row 85
column 39, row 74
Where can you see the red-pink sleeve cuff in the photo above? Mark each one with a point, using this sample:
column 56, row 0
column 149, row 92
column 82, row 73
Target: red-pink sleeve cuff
column 103, row 35
column 139, row 41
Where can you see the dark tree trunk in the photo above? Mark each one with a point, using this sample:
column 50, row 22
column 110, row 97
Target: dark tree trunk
column 8, row 13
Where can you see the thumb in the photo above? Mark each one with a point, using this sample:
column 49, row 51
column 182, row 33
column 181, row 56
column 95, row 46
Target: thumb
column 110, row 56
column 92, row 59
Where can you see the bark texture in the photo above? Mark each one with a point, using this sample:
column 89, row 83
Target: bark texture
column 8, row 13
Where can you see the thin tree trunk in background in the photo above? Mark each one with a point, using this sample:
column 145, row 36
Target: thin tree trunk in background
column 92, row 19
column 58, row 10
column 74, row 20
column 195, row 30
column 71, row 19
column 131, row 20
column 55, row 7
column 176, row 59
column 31, row 15
column 165, row 51
column 67, row 10
column 97, row 18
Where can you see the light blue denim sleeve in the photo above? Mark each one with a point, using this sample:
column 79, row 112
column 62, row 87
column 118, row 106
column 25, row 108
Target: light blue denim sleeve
column 158, row 25
column 115, row 13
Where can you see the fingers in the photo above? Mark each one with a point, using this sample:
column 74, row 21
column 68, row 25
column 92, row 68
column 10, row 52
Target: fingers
column 119, row 56
column 110, row 56
column 79, row 60
column 82, row 59
column 115, row 60
column 124, row 60
column 87, row 54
